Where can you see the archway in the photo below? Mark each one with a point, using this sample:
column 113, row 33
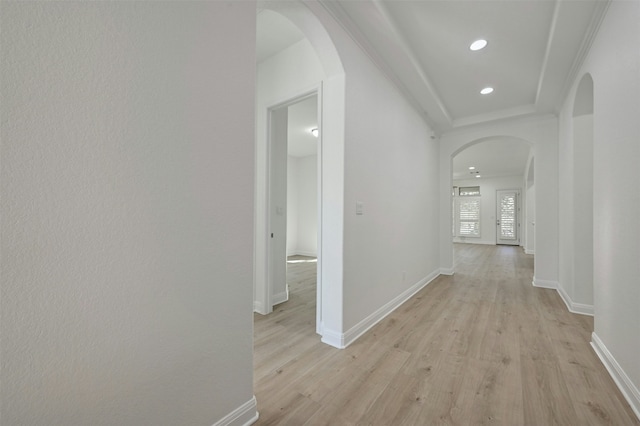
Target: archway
column 541, row 134
column 489, row 190
column 329, row 87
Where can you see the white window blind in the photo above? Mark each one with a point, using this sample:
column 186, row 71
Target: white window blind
column 468, row 217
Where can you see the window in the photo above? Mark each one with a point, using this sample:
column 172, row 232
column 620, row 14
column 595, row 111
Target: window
column 466, row 191
column 468, row 217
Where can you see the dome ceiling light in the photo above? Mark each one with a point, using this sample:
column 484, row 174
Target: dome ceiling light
column 478, row 44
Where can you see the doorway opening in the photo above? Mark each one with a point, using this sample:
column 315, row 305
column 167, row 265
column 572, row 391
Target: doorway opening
column 290, row 70
column 488, row 176
column 294, row 200
column 508, row 217
column 294, row 203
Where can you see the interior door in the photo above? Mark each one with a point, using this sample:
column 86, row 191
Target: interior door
column 507, row 222
column 278, row 207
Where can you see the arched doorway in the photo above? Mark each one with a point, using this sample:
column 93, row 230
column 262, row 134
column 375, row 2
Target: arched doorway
column 541, row 136
column 327, row 83
column 488, row 193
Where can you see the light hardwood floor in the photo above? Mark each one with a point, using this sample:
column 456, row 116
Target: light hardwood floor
column 480, row 347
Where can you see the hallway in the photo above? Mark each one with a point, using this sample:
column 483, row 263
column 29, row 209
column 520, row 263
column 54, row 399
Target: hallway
column 480, row 347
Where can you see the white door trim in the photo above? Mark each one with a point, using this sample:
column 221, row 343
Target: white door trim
column 263, row 303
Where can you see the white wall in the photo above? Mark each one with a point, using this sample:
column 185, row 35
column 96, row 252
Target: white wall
column 292, row 205
column 488, row 188
column 583, row 211
column 302, row 206
column 127, row 211
column 391, row 167
column 565, row 206
column 614, row 65
column 529, row 208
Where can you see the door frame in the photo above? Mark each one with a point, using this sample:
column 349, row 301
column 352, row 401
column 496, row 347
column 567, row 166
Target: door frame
column 263, row 258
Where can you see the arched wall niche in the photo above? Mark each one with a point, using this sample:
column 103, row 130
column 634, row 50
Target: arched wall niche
column 331, row 92
column 583, row 101
column 579, row 295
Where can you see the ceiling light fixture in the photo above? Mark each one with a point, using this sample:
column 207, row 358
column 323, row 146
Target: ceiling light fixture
column 486, row 90
column 478, row 176
column 478, row 44
column 472, row 168
column 314, row 132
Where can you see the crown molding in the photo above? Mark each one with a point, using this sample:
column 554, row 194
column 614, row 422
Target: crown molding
column 353, row 31
column 585, row 47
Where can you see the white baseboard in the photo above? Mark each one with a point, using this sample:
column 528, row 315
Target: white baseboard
column 342, row 340
column 280, row 297
column 333, row 338
column 624, row 383
column 545, row 284
column 471, row 240
column 244, row 415
column 446, row 271
column 576, row 308
column 527, row 251
column 257, row 307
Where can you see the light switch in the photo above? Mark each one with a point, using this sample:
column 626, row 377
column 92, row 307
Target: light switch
column 359, row 207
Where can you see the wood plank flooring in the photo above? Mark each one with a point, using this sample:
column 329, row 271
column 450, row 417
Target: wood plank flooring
column 480, row 347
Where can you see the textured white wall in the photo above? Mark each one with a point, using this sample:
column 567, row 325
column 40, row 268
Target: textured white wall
column 127, row 211
column 614, row 65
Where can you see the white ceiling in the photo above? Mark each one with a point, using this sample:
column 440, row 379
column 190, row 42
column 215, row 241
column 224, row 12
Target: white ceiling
column 535, row 49
column 274, row 33
column 497, row 157
column 302, row 117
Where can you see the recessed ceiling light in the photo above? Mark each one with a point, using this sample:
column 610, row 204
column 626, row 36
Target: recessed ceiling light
column 472, row 168
column 478, row 176
column 478, row 44
column 486, row 90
